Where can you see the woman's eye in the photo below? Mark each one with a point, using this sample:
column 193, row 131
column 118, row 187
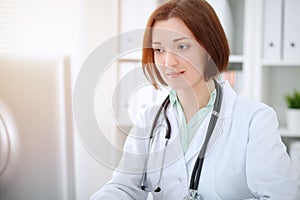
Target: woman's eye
column 158, row 50
column 182, row 46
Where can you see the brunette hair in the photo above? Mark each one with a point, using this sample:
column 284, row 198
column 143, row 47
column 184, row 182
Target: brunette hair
column 203, row 22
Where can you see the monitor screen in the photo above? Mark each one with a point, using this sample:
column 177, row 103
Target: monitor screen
column 36, row 134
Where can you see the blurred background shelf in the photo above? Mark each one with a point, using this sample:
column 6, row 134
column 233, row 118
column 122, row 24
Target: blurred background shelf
column 288, row 133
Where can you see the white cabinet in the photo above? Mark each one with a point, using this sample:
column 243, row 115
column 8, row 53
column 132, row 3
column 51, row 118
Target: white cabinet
column 279, row 63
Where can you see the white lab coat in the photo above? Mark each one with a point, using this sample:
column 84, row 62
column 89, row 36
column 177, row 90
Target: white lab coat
column 245, row 158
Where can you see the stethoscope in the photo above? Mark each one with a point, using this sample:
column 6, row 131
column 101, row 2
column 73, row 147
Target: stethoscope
column 195, row 177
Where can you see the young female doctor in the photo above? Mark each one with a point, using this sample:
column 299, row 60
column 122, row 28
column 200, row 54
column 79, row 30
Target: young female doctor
column 204, row 141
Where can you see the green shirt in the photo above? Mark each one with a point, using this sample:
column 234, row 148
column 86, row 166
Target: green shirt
column 188, row 130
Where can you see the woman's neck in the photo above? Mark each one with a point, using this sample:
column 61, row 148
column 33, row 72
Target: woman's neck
column 195, row 98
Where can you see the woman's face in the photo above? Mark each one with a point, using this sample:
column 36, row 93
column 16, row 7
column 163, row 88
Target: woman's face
column 179, row 58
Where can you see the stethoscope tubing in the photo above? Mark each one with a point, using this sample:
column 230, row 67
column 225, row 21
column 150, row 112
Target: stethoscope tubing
column 196, row 174
column 163, row 106
column 195, row 177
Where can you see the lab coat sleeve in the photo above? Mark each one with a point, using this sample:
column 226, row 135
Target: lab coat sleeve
column 123, row 187
column 268, row 167
column 126, row 181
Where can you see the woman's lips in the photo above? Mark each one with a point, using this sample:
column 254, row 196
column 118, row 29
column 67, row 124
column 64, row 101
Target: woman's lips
column 173, row 75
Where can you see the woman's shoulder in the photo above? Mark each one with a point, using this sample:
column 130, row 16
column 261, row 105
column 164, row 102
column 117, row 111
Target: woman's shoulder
column 249, row 105
column 253, row 111
column 244, row 107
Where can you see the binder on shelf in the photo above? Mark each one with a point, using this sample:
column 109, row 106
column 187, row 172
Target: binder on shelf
column 291, row 31
column 272, row 29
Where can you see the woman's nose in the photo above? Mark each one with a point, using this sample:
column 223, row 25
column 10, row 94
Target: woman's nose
column 170, row 59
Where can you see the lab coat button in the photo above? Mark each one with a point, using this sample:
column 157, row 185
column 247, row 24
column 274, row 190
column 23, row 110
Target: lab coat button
column 180, row 179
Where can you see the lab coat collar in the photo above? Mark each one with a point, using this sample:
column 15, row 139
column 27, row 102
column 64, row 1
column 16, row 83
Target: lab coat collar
column 228, row 100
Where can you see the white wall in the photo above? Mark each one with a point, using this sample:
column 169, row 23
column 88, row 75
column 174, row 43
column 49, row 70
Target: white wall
column 98, row 23
column 63, row 27
column 74, row 28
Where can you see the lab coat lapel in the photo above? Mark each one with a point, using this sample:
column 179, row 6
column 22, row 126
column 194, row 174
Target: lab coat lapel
column 198, row 140
column 229, row 97
column 175, row 151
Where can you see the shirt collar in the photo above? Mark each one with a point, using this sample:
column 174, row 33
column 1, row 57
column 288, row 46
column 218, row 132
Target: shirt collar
column 174, row 98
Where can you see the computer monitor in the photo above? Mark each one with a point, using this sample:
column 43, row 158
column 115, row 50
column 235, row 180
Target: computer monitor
column 36, row 134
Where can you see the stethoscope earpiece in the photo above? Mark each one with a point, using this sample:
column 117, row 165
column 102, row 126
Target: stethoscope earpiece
column 157, row 189
column 143, row 187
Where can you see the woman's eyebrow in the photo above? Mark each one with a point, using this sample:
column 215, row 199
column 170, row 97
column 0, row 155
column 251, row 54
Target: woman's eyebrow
column 181, row 38
column 175, row 40
column 156, row 43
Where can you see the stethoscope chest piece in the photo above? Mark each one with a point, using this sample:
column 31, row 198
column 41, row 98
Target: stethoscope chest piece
column 193, row 195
